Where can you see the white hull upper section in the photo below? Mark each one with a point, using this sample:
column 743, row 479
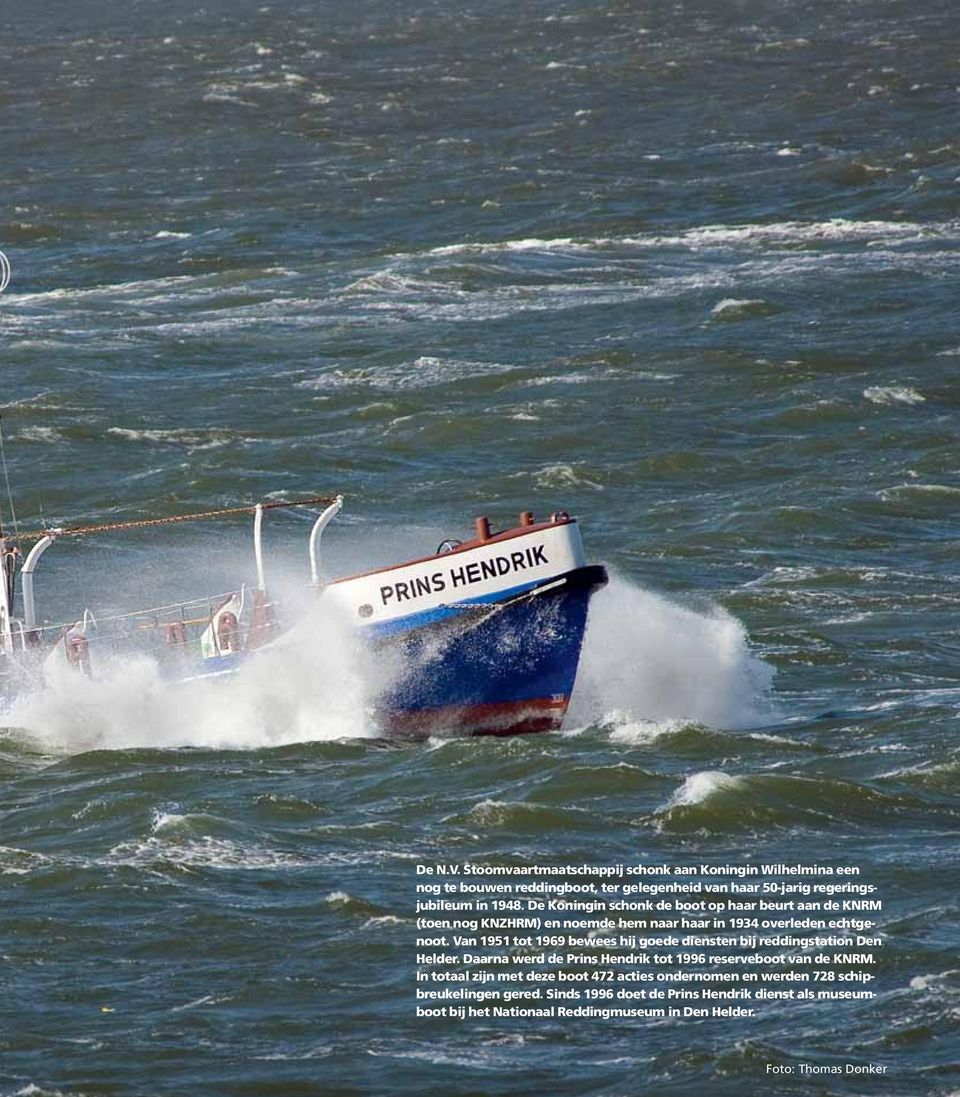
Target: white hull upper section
column 473, row 572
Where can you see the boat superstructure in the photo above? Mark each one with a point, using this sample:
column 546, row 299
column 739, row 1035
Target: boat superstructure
column 199, row 637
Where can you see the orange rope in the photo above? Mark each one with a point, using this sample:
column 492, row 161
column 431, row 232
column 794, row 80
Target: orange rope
column 144, row 522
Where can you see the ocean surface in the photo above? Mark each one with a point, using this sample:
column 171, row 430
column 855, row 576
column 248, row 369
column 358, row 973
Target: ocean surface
column 687, row 270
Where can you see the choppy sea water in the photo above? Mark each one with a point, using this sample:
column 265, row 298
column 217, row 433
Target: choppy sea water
column 686, row 270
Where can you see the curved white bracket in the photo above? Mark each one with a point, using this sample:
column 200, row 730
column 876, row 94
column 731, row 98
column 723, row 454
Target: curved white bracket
column 26, row 577
column 318, row 527
column 258, row 545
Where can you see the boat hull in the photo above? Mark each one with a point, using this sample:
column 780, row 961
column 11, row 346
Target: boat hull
column 496, row 668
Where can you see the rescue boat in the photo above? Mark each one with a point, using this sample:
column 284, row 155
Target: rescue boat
column 485, row 634
column 488, row 631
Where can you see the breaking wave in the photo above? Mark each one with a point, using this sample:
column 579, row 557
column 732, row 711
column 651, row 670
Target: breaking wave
column 713, row 801
column 650, row 665
column 893, row 394
column 782, row 234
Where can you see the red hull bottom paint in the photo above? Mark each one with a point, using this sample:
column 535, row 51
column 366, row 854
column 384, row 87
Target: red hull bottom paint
column 502, row 719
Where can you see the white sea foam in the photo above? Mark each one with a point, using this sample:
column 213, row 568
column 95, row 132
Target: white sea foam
column 204, row 852
column 492, row 811
column 899, row 491
column 337, row 898
column 578, row 378
column 119, row 289
column 652, row 661
column 45, row 435
column 779, row 233
column 699, row 787
column 775, row 234
column 318, row 1051
column 785, row 574
column 206, row 1000
column 37, row 400
column 396, row 294
column 893, row 394
column 163, row 820
column 225, row 93
column 564, row 476
column 530, row 244
column 31, row 1090
column 312, row 684
column 639, row 732
column 424, row 372
column 20, row 862
column 937, row 981
column 766, row 737
column 733, row 308
column 181, row 436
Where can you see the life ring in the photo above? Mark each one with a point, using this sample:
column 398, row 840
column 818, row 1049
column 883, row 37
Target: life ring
column 228, row 633
column 78, row 652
